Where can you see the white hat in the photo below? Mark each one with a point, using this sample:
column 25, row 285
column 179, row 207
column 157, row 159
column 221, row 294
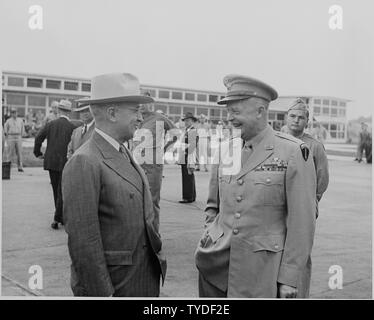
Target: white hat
column 116, row 87
column 64, row 105
column 82, row 104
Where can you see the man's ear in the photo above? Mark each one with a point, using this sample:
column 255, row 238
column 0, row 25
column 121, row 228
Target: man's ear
column 261, row 110
column 111, row 114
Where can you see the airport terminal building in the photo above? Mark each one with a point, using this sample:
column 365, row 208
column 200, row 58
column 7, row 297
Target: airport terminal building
column 34, row 93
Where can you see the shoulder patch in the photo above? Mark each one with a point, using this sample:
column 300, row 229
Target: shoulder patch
column 304, row 151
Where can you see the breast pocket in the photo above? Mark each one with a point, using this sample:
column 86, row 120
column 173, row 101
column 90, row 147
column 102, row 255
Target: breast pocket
column 269, row 188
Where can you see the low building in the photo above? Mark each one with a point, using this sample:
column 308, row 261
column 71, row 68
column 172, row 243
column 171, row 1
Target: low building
column 34, row 93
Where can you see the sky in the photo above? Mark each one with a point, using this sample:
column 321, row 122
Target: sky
column 195, row 43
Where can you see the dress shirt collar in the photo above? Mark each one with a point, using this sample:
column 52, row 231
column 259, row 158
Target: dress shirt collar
column 109, row 139
column 63, row 116
column 258, row 138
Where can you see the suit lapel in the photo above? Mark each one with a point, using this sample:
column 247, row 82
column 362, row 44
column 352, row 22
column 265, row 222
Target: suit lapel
column 260, row 153
column 114, row 160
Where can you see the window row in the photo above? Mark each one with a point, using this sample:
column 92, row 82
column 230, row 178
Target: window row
column 49, row 84
column 329, row 111
column 327, row 102
column 187, row 96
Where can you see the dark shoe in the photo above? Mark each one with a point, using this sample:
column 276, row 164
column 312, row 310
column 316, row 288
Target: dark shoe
column 20, row 170
column 54, row 225
column 359, row 160
column 355, row 159
column 186, row 201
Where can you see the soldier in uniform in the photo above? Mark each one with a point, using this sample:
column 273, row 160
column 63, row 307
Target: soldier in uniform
column 297, row 121
column 260, row 220
column 14, row 129
column 81, row 134
column 158, row 125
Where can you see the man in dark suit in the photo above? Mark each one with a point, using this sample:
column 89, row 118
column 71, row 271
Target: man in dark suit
column 58, row 133
column 108, row 213
column 81, row 134
column 187, row 159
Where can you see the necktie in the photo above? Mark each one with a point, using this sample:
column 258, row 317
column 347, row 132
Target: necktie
column 246, row 153
column 84, row 130
column 122, row 150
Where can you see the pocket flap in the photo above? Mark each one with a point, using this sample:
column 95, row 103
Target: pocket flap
column 215, row 232
column 271, row 242
column 270, row 179
column 118, row 258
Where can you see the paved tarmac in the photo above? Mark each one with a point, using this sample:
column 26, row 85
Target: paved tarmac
column 343, row 234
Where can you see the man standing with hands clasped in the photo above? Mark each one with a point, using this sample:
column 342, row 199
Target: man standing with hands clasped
column 261, row 218
column 113, row 241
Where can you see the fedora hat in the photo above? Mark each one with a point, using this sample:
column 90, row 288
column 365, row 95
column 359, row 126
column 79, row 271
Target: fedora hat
column 189, row 115
column 115, row 87
column 242, row 87
column 64, row 105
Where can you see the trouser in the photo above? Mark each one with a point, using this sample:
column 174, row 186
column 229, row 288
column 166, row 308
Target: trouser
column 55, row 177
column 15, row 146
column 360, row 151
column 207, row 290
column 154, row 176
column 188, row 184
column 367, row 148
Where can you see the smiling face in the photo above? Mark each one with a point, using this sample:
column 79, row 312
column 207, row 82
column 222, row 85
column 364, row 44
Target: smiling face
column 248, row 116
column 297, row 121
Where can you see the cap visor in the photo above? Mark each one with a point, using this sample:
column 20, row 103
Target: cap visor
column 232, row 98
column 137, row 99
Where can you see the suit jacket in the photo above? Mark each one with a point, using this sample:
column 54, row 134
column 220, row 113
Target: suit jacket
column 58, row 133
column 77, row 139
column 260, row 222
column 187, row 151
column 109, row 218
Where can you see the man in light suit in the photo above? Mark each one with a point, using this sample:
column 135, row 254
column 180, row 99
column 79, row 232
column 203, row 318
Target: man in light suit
column 112, row 238
column 81, row 134
column 58, row 134
column 261, row 217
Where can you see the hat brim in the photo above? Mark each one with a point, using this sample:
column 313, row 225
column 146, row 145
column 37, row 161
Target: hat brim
column 232, row 98
column 193, row 118
column 137, row 99
column 64, row 108
column 84, row 107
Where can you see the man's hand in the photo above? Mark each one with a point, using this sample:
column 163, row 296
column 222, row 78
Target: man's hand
column 41, row 156
column 285, row 291
column 190, row 170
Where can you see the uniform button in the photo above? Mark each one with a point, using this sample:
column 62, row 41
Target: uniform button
column 236, row 231
column 268, row 180
column 238, row 198
column 237, row 215
column 276, row 246
column 240, row 181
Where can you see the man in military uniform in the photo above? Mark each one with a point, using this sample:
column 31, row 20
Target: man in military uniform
column 14, row 129
column 297, row 121
column 364, row 141
column 260, row 220
column 158, row 125
column 81, row 134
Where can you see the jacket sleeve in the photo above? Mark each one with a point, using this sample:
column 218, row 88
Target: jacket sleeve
column 322, row 170
column 212, row 207
column 71, row 147
column 40, row 137
column 82, row 225
column 301, row 214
